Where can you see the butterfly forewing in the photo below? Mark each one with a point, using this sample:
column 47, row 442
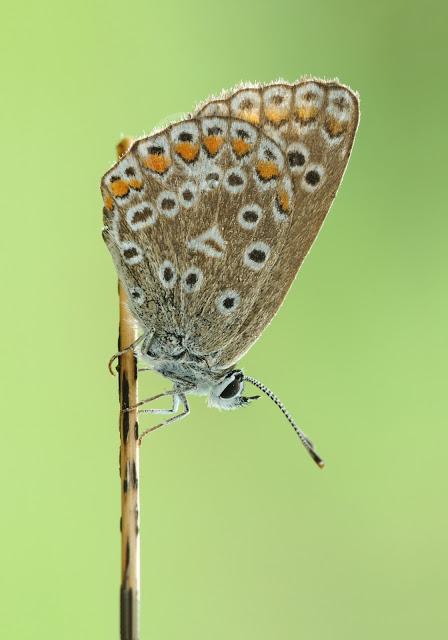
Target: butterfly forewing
column 209, row 220
column 314, row 123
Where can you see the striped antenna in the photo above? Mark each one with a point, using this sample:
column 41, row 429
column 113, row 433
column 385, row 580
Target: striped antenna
column 302, row 437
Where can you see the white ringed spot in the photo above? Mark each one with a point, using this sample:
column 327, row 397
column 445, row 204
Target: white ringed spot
column 228, row 302
column 192, row 280
column 246, row 105
column 137, row 295
column 250, row 215
column 168, row 204
column 235, row 180
column 131, row 252
column 313, row 177
column 167, row 274
column 256, row 255
column 141, row 215
column 212, row 178
column 298, row 155
column 188, row 192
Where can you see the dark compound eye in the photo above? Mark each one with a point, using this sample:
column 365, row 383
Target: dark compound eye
column 232, row 389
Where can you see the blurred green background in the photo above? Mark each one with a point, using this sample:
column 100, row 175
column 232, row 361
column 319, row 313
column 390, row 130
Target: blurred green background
column 242, row 537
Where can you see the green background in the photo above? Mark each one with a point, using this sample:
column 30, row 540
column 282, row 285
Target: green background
column 242, row 537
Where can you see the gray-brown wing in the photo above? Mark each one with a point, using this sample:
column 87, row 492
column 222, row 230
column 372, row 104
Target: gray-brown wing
column 196, row 218
column 314, row 122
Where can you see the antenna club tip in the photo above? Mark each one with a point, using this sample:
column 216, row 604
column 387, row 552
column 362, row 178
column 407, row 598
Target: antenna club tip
column 321, row 464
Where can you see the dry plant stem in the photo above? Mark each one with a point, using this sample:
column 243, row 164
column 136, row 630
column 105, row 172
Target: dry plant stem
column 129, row 469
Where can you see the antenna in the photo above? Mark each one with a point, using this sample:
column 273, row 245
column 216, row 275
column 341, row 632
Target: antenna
column 302, row 437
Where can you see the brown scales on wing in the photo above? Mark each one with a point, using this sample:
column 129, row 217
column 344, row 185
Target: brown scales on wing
column 301, row 207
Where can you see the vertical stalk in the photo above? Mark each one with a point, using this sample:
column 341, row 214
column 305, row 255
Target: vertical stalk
column 129, row 468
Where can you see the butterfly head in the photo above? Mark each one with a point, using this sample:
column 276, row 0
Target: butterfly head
column 226, row 394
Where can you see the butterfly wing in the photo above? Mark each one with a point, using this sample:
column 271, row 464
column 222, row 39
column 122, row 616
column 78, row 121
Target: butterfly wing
column 209, row 220
column 195, row 218
column 314, row 123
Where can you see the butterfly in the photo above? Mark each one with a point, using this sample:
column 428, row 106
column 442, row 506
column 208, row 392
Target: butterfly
column 209, row 220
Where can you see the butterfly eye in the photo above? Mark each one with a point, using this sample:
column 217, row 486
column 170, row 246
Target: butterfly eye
column 232, row 389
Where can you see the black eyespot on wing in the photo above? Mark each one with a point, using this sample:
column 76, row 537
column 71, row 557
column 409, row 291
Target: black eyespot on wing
column 214, row 131
column 156, row 150
column 130, row 171
column 130, row 252
column 241, row 133
column 191, row 279
column 235, row 180
column 257, row 255
column 185, row 137
column 296, row 159
column 168, row 204
column 250, row 216
column 168, row 274
column 312, row 178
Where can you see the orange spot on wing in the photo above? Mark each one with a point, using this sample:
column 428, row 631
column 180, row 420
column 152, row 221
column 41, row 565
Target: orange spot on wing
column 135, row 184
column 249, row 116
column 307, row 114
column 241, row 147
column 108, row 202
column 283, row 200
column 267, row 170
column 276, row 115
column 334, row 126
column 187, row 151
column 119, row 188
column 213, row 144
column 158, row 163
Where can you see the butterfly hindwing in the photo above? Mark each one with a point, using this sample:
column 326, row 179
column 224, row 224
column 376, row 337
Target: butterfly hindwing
column 196, row 217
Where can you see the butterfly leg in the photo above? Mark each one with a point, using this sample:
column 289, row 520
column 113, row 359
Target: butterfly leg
column 178, row 398
column 120, row 353
column 171, row 392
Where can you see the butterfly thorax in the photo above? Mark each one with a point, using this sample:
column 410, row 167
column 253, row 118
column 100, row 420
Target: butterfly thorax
column 171, row 354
